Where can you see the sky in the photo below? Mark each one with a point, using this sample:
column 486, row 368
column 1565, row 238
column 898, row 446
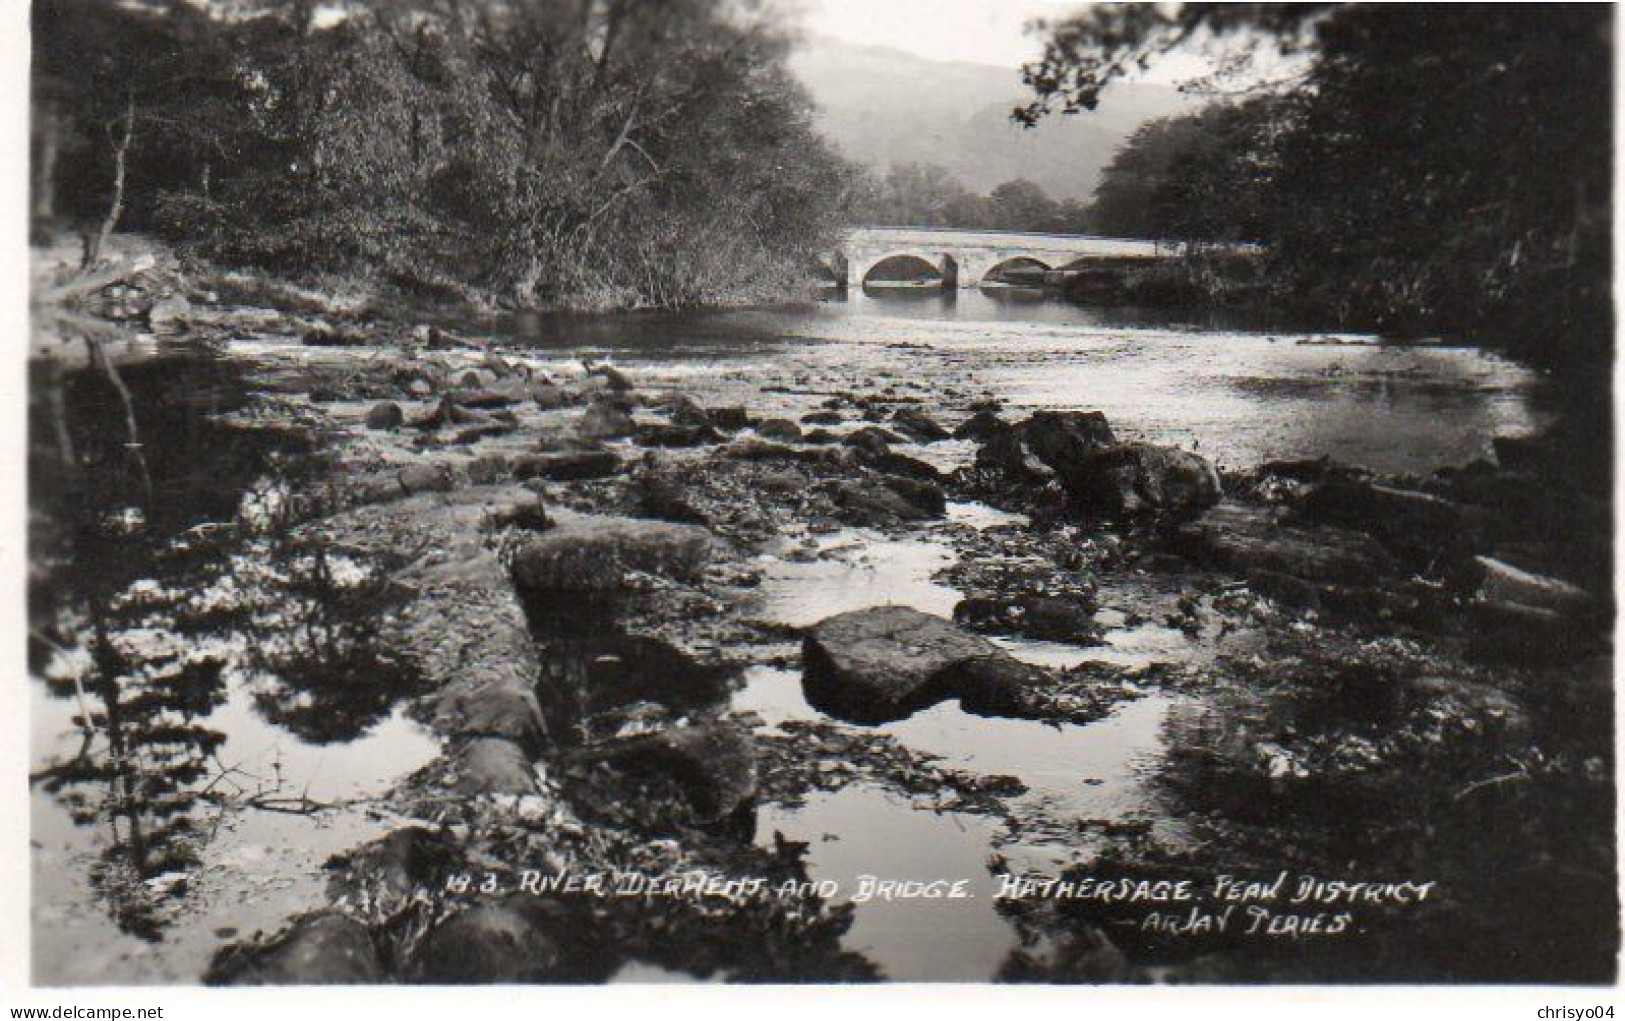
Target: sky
column 976, row 31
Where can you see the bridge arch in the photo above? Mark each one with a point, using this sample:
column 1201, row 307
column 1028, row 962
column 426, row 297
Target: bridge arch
column 1016, row 269
column 903, row 266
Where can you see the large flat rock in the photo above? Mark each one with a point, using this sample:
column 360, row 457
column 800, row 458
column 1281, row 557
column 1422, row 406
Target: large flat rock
column 886, row 662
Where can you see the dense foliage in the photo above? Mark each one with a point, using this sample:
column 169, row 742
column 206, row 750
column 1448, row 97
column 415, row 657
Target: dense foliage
column 606, row 152
column 1437, row 168
column 926, row 195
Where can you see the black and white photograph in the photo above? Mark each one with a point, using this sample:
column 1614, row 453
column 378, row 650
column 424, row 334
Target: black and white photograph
column 814, row 492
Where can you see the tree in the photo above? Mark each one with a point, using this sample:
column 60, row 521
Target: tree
column 1437, row 167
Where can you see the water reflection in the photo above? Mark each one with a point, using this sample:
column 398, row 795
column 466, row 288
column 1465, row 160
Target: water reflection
column 159, row 604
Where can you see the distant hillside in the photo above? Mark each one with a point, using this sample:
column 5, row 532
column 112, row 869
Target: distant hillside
column 884, row 106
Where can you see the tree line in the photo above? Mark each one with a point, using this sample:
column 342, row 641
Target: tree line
column 1435, row 167
column 604, row 153
column 928, row 195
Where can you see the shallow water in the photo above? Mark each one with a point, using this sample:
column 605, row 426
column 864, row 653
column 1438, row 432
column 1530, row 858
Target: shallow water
column 1240, row 395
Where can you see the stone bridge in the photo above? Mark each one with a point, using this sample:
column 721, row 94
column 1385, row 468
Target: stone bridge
column 965, row 258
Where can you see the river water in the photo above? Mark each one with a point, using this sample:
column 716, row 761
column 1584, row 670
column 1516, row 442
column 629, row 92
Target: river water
column 1239, row 395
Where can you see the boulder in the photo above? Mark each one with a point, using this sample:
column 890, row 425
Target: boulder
column 872, row 439
column 823, row 418
column 425, row 478
column 664, row 434
column 1045, row 618
column 520, row 939
column 685, row 410
column 1505, row 632
column 387, row 415
column 1004, row 456
column 492, row 709
column 1250, row 541
column 603, row 421
column 1061, row 439
column 880, row 500
column 548, row 396
column 712, row 767
column 1132, row 479
column 1501, row 582
column 659, row 491
column 918, row 426
column 893, row 463
column 592, row 554
column 885, row 663
column 318, row 949
column 780, row 429
column 732, row 418
column 982, row 426
column 568, row 465
column 1487, row 707
column 494, row 765
column 1424, row 530
column 380, row 878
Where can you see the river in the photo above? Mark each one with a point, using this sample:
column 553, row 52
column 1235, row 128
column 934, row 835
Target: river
column 1239, row 395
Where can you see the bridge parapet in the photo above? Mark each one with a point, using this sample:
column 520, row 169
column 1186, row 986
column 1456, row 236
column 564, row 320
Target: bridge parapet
column 967, row 257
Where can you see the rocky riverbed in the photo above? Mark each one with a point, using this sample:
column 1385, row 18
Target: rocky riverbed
column 664, row 671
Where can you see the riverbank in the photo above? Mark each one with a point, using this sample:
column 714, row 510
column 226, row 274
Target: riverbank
column 675, row 637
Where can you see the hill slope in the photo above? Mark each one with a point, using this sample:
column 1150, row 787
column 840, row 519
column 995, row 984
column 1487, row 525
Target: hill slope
column 883, row 106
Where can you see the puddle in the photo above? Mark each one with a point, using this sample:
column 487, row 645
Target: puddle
column 980, row 516
column 860, row 570
column 861, row 831
column 238, row 714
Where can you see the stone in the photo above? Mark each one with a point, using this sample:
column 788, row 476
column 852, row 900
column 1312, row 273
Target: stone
column 780, row 429
column 1249, row 540
column 591, row 554
column 712, row 765
column 1487, row 706
column 169, row 315
column 925, row 495
column 892, row 463
column 520, row 939
column 871, row 502
column 486, row 399
column 1045, row 618
column 387, row 415
column 885, row 663
column 1501, row 582
column 589, row 681
column 1004, row 456
column 488, row 470
column 685, row 410
column 548, row 396
column 382, row 877
column 755, row 448
column 1526, row 635
column 658, row 491
column 732, row 417
column 494, row 765
column 603, row 421
column 663, row 434
column 425, row 478
column 1132, row 479
column 1424, row 530
column 326, row 948
column 918, row 426
column 568, row 465
column 614, row 378
column 1062, row 439
column 823, row 418
column 872, row 439
column 484, row 431
column 492, row 709
column 982, row 426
